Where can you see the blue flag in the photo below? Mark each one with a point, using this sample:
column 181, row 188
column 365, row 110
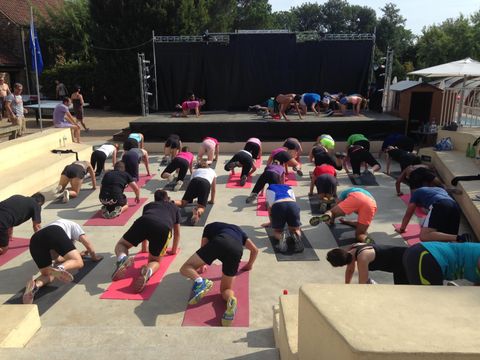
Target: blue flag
column 35, row 49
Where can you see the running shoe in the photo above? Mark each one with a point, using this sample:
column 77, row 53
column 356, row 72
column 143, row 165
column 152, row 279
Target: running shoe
column 58, row 189
column 122, row 267
column 200, row 290
column 323, row 207
column 30, row 291
column 229, row 314
column 371, row 282
column 314, row 221
column 66, row 196
column 465, row 238
column 282, row 243
column 243, row 180
column 116, row 212
column 141, row 280
column 59, row 272
column 178, row 185
column 251, row 198
column 298, row 246
column 449, row 283
column 299, row 172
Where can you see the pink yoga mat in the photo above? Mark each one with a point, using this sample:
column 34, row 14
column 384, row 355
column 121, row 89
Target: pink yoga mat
column 143, row 179
column 209, row 311
column 258, row 163
column 16, row 247
column 98, row 220
column 418, row 211
column 121, row 289
column 412, row 233
column 290, row 179
column 262, row 205
column 234, row 182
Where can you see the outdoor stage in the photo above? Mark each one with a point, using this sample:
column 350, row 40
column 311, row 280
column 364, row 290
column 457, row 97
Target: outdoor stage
column 238, row 127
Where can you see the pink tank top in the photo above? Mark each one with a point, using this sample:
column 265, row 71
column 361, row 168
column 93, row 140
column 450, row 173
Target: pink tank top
column 278, row 150
column 211, row 139
column 186, row 155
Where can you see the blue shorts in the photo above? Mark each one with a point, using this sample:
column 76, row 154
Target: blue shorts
column 285, row 212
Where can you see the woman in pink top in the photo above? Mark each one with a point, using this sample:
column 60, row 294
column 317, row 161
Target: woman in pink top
column 180, row 164
column 192, row 105
column 254, row 147
column 286, row 157
column 211, row 147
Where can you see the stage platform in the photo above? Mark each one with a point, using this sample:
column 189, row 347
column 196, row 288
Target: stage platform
column 235, row 127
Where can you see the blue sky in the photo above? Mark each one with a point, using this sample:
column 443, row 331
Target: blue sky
column 418, row 13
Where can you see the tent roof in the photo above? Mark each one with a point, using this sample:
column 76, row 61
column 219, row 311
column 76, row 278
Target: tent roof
column 404, row 85
column 465, row 67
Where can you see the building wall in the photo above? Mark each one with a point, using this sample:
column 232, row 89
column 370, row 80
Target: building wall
column 405, row 99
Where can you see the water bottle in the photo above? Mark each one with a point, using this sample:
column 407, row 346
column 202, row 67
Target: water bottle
column 469, row 150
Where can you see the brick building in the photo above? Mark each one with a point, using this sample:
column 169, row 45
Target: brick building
column 14, row 38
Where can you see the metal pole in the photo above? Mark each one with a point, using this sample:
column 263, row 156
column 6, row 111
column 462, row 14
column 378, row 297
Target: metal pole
column 460, row 106
column 155, row 70
column 372, row 60
column 140, row 72
column 25, row 59
column 32, row 35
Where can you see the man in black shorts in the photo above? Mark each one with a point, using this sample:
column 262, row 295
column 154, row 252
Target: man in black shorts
column 156, row 224
column 243, row 159
column 73, row 174
column 224, row 242
column 132, row 158
column 55, row 243
column 114, row 201
column 172, row 146
column 15, row 211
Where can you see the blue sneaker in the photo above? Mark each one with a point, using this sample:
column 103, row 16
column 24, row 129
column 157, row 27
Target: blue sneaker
column 229, row 314
column 200, row 290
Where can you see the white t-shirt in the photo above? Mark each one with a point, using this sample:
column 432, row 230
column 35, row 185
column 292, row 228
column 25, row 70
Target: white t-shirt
column 205, row 173
column 107, row 149
column 72, row 229
column 16, row 104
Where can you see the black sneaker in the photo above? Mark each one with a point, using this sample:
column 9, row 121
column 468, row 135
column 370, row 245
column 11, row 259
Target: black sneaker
column 464, row 238
column 243, row 180
column 298, row 246
column 251, row 198
column 299, row 172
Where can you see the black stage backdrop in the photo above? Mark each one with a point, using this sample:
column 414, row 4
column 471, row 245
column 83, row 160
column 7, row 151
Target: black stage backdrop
column 252, row 68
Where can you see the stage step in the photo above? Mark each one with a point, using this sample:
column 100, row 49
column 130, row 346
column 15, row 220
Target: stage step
column 132, row 342
column 388, row 322
column 18, row 325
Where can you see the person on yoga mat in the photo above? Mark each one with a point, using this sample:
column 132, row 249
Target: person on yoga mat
column 286, row 157
column 73, row 174
column 353, row 200
column 139, row 138
column 404, row 158
column 443, row 218
column 320, row 153
column 254, row 147
column 284, row 210
column 189, row 105
column 397, row 140
column 356, row 155
column 180, row 164
column 15, row 211
column 268, row 108
column 430, row 263
column 101, row 154
column 160, row 218
column 294, row 144
column 274, row 173
column 224, row 242
column 53, row 251
column 172, row 146
column 309, row 101
column 243, row 159
column 132, row 157
column 203, row 182
column 211, row 147
column 417, row 176
column 112, row 198
column 324, row 178
column 370, row 257
column 285, row 101
column 357, row 101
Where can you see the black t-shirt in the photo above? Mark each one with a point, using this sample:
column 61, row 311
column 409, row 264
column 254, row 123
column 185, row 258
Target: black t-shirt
column 131, row 160
column 163, row 212
column 114, row 183
column 214, row 229
column 17, row 209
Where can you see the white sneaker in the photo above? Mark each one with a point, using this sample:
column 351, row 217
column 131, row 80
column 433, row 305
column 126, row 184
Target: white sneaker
column 171, row 177
column 66, row 196
column 178, row 185
column 57, row 190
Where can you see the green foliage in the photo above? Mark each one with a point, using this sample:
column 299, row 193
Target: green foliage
column 253, row 14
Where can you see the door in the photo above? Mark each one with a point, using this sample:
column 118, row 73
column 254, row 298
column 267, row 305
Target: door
column 420, row 107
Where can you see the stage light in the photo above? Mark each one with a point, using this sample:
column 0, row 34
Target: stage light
column 148, row 93
column 146, row 77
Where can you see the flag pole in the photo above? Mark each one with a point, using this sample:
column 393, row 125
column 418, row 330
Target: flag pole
column 32, row 36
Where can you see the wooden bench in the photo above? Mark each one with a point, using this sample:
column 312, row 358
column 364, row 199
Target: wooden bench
column 10, row 131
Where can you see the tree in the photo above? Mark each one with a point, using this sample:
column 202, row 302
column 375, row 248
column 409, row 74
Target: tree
column 361, row 19
column 253, row 14
column 307, row 17
column 334, row 16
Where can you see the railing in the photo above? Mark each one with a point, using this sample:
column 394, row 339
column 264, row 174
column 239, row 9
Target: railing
column 466, row 115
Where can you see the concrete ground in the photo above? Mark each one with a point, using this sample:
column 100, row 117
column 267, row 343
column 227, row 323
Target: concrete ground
column 80, row 324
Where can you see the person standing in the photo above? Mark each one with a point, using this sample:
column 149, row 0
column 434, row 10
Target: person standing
column 60, row 90
column 77, row 100
column 63, row 119
column 4, row 91
column 15, row 110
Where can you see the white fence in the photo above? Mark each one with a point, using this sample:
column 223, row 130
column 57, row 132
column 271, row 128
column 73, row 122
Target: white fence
column 468, row 114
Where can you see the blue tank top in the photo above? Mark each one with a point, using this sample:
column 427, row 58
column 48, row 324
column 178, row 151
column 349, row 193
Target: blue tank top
column 281, row 191
column 457, row 261
column 135, row 136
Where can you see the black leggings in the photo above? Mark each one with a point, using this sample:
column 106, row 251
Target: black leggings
column 177, row 163
column 267, row 177
column 244, row 159
column 421, row 267
column 359, row 156
column 98, row 161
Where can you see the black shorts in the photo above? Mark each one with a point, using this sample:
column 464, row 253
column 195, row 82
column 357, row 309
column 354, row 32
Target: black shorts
column 224, row 248
column 74, row 171
column 198, row 188
column 282, row 157
column 252, row 148
column 326, row 184
column 111, row 201
column 4, row 239
column 444, row 216
column 363, row 143
column 405, row 143
column 243, row 158
column 49, row 238
column 146, row 228
column 176, row 163
column 291, row 145
column 420, row 177
column 421, row 267
column 173, row 142
column 285, row 212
